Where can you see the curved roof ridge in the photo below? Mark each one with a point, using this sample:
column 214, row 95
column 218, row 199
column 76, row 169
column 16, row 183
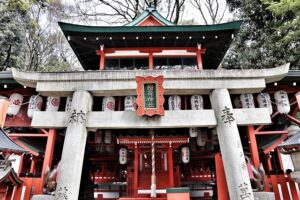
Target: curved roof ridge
column 150, row 11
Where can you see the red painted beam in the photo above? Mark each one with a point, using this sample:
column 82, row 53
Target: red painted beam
column 152, row 49
column 293, row 119
column 16, row 135
column 270, row 132
column 273, row 146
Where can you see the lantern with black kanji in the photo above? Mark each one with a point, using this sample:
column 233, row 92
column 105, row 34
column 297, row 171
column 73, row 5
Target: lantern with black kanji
column 123, row 156
column 185, row 155
column 282, row 102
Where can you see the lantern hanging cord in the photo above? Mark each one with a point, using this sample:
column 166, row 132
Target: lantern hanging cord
column 29, row 101
column 270, row 99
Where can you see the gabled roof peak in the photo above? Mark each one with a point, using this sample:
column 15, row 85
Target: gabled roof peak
column 150, row 8
column 150, row 17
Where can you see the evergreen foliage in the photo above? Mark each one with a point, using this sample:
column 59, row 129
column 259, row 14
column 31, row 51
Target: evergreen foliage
column 24, row 42
column 269, row 36
column 12, row 31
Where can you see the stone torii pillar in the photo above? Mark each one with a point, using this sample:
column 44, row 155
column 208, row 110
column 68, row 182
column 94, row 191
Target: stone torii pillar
column 70, row 167
column 236, row 172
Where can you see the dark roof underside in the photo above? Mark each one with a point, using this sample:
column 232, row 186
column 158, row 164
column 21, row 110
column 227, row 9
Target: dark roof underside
column 7, row 145
column 215, row 38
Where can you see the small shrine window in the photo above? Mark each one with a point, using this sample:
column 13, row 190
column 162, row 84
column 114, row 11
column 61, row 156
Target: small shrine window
column 175, row 63
column 126, row 63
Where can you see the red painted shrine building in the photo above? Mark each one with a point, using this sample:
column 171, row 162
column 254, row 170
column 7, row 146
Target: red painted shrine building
column 152, row 116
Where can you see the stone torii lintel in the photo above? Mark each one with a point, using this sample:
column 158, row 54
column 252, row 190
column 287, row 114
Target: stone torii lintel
column 122, row 83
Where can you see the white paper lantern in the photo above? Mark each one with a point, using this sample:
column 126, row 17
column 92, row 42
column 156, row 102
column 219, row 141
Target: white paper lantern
column 68, row 104
column 264, row 101
column 3, row 97
column 185, row 155
column 107, row 136
column 193, row 132
column 52, row 103
column 15, row 103
column 108, row 103
column 247, row 101
column 237, row 102
column 174, row 103
column 197, row 102
column 129, row 103
column 201, row 137
column 282, row 102
column 35, row 104
column 123, row 156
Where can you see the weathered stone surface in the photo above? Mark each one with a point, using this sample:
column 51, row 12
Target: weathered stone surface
column 264, row 196
column 172, row 119
column 237, row 178
column 118, row 83
column 296, row 176
column 42, row 197
column 70, row 167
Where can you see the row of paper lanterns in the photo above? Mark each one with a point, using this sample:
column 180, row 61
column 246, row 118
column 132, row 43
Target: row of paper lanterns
column 123, row 155
column 174, row 103
column 264, row 101
column 35, row 104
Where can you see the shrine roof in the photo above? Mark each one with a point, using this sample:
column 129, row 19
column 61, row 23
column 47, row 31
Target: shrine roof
column 7, row 145
column 7, row 174
column 293, row 141
column 150, row 12
column 85, row 40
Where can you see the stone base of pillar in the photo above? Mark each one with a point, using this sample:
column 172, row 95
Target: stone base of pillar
column 153, row 186
column 42, row 197
column 264, row 196
column 296, row 176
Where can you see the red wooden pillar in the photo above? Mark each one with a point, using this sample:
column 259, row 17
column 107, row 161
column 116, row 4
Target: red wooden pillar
column 32, row 166
column 21, row 164
column 293, row 188
column 136, row 170
column 199, row 57
column 284, row 188
column 221, row 179
column 274, row 180
column 48, row 157
column 17, row 192
column 9, row 192
column 170, row 167
column 150, row 60
column 253, row 146
column 102, row 60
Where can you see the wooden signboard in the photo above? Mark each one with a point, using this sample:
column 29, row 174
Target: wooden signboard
column 150, row 99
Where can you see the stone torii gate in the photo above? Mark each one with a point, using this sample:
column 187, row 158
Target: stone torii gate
column 217, row 83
